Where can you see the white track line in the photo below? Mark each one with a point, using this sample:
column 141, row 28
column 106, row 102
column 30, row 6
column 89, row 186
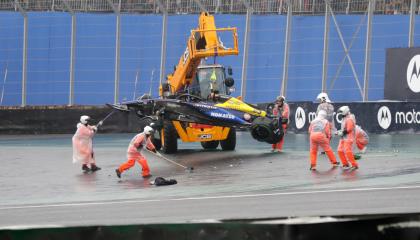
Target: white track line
column 210, row 197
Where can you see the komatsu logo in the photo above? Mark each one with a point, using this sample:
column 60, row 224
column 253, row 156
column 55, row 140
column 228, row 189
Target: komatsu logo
column 222, row 115
column 384, row 117
column 413, row 74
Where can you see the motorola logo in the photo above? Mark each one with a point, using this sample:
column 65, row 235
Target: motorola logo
column 300, row 118
column 384, row 117
column 413, row 74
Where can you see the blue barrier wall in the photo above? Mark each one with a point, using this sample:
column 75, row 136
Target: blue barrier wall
column 49, row 55
column 11, row 33
column 341, row 82
column 140, row 55
column 305, row 62
column 265, row 64
column 95, row 53
column 48, row 58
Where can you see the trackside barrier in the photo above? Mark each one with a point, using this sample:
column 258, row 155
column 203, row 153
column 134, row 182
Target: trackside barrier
column 59, row 119
column 374, row 117
column 403, row 226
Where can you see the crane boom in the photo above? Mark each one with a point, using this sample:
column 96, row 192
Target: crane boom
column 203, row 42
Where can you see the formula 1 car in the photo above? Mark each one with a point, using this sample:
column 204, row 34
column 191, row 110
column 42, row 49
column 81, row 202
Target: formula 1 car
column 192, row 118
column 195, row 103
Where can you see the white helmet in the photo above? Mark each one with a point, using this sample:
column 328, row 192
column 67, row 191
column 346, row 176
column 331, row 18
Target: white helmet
column 84, row 119
column 148, row 130
column 323, row 97
column 281, row 98
column 322, row 114
column 344, row 110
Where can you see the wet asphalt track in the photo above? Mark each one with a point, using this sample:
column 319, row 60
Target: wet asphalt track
column 41, row 187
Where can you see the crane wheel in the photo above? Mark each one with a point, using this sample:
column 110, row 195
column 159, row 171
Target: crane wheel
column 210, row 144
column 169, row 138
column 229, row 143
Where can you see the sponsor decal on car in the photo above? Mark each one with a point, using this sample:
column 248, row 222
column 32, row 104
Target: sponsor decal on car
column 222, row 115
column 204, row 106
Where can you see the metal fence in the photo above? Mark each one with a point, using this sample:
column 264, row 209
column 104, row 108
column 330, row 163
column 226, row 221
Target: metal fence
column 313, row 7
column 334, row 48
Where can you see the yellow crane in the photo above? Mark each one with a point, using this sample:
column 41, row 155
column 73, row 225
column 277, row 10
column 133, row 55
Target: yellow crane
column 194, row 79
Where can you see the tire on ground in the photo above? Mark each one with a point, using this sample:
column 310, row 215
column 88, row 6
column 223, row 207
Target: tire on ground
column 229, row 143
column 210, row 144
column 170, row 138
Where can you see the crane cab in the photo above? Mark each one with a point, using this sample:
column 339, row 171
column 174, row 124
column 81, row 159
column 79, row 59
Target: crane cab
column 212, row 79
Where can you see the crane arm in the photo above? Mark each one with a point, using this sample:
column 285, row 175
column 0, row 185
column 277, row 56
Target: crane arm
column 203, row 42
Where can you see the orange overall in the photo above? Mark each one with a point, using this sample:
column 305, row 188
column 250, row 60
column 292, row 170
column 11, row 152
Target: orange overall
column 345, row 146
column 282, row 112
column 362, row 139
column 320, row 134
column 133, row 153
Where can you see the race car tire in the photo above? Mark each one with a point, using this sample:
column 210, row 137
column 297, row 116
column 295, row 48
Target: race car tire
column 229, row 143
column 156, row 140
column 210, row 144
column 266, row 130
column 170, row 138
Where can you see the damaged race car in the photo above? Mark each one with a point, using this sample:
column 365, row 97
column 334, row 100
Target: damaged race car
column 195, row 103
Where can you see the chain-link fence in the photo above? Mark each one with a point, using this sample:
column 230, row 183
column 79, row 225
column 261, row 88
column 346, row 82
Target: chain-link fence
column 53, row 62
column 304, row 7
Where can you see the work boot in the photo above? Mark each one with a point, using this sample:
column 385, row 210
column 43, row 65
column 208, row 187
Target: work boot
column 354, row 168
column 346, row 166
column 94, row 168
column 117, row 171
column 336, row 164
column 85, row 168
column 147, row 176
column 312, row 168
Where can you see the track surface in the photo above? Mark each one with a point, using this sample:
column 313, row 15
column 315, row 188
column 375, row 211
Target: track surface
column 40, row 186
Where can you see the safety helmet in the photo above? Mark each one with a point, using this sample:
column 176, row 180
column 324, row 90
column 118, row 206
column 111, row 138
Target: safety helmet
column 84, row 119
column 323, row 97
column 148, row 130
column 281, row 98
column 344, row 110
column 322, row 114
